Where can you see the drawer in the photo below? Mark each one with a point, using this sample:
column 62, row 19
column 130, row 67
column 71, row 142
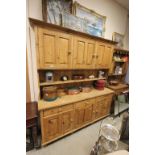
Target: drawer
column 66, row 108
column 89, row 102
column 50, row 112
column 80, row 104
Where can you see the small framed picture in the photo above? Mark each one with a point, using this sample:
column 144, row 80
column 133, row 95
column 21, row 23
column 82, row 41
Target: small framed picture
column 118, row 38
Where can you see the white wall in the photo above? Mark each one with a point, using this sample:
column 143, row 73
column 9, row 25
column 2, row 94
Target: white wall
column 117, row 21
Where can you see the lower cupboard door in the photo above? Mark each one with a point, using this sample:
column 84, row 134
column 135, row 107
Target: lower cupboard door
column 88, row 114
column 67, row 119
column 103, row 111
column 52, row 127
column 79, row 116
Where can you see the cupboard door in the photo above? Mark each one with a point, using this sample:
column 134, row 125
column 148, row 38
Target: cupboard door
column 52, row 127
column 64, row 51
column 96, row 111
column 108, row 54
column 88, row 111
column 90, row 54
column 80, row 48
column 47, row 48
column 67, row 120
column 100, row 55
column 79, row 113
column 79, row 117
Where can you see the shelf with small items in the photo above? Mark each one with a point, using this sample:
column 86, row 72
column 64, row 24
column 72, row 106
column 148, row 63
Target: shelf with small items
column 57, row 83
column 70, row 81
column 116, row 74
column 120, row 62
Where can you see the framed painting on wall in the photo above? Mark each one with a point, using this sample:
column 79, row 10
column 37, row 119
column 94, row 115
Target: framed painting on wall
column 118, row 38
column 95, row 23
column 53, row 9
column 73, row 22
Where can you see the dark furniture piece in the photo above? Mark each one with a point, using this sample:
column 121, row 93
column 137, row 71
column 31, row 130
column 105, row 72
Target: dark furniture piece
column 31, row 124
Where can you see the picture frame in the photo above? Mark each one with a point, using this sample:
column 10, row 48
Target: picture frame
column 118, row 38
column 52, row 10
column 72, row 22
column 95, row 23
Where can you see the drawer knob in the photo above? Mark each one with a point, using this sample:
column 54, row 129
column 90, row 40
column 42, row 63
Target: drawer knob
column 69, row 53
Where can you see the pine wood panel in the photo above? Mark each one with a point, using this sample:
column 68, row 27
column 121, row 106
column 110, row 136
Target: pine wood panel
column 88, row 110
column 47, row 48
column 51, row 127
column 79, row 113
column 90, row 54
column 108, row 56
column 67, row 121
column 80, row 48
column 101, row 48
column 64, row 53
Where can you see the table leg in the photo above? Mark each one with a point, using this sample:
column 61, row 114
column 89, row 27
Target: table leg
column 35, row 138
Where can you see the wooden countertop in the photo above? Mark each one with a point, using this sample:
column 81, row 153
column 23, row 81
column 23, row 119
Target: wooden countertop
column 67, row 99
column 119, row 86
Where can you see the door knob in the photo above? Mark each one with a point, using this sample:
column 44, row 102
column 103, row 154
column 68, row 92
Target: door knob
column 69, row 53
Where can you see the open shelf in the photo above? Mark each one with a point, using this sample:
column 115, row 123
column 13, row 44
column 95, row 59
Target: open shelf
column 119, row 61
column 116, row 74
column 121, row 49
column 69, row 81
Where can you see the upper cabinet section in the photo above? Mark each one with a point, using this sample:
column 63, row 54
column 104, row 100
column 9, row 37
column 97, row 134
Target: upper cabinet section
column 54, row 49
column 63, row 48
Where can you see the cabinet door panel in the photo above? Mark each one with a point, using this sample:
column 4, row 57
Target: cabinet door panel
column 88, row 114
column 79, row 114
column 67, row 119
column 91, row 47
column 96, row 111
column 64, row 53
column 52, row 127
column 47, row 48
column 79, row 52
column 100, row 55
column 108, row 56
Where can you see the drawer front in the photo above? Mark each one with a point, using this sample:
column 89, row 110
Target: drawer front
column 80, row 104
column 90, row 102
column 66, row 108
column 49, row 112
